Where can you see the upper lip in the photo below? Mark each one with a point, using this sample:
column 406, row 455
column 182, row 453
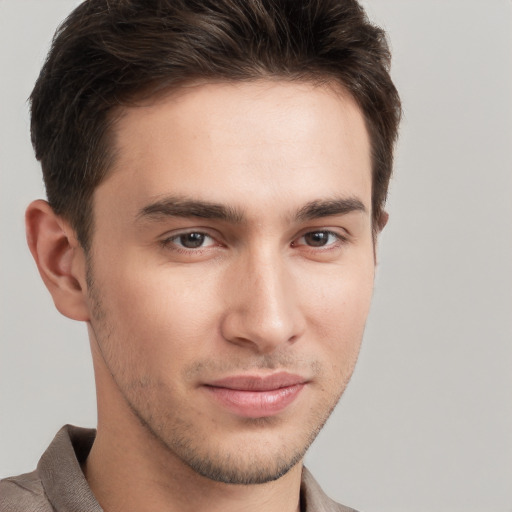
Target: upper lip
column 258, row 382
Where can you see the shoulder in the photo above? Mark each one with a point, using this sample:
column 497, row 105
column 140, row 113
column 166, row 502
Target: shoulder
column 314, row 499
column 22, row 493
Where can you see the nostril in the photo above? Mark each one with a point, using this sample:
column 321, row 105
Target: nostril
column 261, row 309
column 261, row 334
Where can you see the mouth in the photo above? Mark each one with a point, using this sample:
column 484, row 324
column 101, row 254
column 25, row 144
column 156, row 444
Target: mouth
column 253, row 396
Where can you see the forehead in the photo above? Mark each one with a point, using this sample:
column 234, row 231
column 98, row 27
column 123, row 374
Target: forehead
column 229, row 142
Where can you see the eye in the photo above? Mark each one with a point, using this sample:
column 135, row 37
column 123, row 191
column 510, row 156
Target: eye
column 192, row 240
column 323, row 238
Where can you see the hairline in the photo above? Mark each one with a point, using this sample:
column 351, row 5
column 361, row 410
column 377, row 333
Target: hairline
column 156, row 92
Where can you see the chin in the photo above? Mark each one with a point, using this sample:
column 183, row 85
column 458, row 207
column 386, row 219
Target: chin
column 265, row 450
column 249, row 466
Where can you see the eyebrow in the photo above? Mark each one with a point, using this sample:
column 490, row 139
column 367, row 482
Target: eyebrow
column 179, row 207
column 326, row 208
column 182, row 207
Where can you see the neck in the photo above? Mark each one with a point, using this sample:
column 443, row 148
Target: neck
column 129, row 471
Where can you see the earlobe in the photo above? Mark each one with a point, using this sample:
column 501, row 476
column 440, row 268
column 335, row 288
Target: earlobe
column 60, row 259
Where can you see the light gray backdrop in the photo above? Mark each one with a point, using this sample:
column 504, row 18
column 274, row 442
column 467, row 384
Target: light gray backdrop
column 426, row 423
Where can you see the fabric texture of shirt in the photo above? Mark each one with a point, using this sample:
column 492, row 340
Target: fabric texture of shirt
column 58, row 484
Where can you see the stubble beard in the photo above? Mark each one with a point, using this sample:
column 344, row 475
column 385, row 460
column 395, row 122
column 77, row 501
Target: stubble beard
column 180, row 439
column 230, row 467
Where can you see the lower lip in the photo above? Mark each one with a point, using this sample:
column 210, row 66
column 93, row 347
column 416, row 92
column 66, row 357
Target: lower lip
column 256, row 404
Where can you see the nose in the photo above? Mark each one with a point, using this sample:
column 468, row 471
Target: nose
column 262, row 309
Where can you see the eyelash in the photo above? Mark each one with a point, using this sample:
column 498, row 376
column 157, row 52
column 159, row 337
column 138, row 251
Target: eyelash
column 340, row 239
column 170, row 242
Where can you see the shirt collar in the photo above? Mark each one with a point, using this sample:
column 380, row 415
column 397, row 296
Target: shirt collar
column 68, row 491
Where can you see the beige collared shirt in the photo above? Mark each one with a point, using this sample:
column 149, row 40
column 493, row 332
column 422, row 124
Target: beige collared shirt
column 58, row 484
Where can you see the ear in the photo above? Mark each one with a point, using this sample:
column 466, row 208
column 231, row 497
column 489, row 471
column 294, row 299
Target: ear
column 383, row 220
column 381, row 224
column 60, row 259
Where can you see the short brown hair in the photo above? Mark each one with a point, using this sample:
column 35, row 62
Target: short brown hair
column 108, row 51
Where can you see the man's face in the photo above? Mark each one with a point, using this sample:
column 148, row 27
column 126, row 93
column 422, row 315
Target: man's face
column 231, row 272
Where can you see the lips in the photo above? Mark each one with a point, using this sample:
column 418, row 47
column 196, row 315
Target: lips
column 254, row 396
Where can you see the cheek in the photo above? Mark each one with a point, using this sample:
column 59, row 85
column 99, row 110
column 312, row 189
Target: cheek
column 157, row 318
column 166, row 317
column 337, row 309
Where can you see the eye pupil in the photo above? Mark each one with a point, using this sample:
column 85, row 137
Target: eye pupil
column 192, row 240
column 317, row 238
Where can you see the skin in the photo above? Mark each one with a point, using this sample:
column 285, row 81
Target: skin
column 275, row 286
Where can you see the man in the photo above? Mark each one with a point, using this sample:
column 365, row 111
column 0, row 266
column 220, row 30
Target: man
column 216, row 176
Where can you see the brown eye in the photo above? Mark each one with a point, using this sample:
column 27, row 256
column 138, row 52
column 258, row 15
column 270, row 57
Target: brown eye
column 317, row 238
column 320, row 239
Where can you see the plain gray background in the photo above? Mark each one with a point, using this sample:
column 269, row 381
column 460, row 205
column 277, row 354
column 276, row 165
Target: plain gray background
column 426, row 423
